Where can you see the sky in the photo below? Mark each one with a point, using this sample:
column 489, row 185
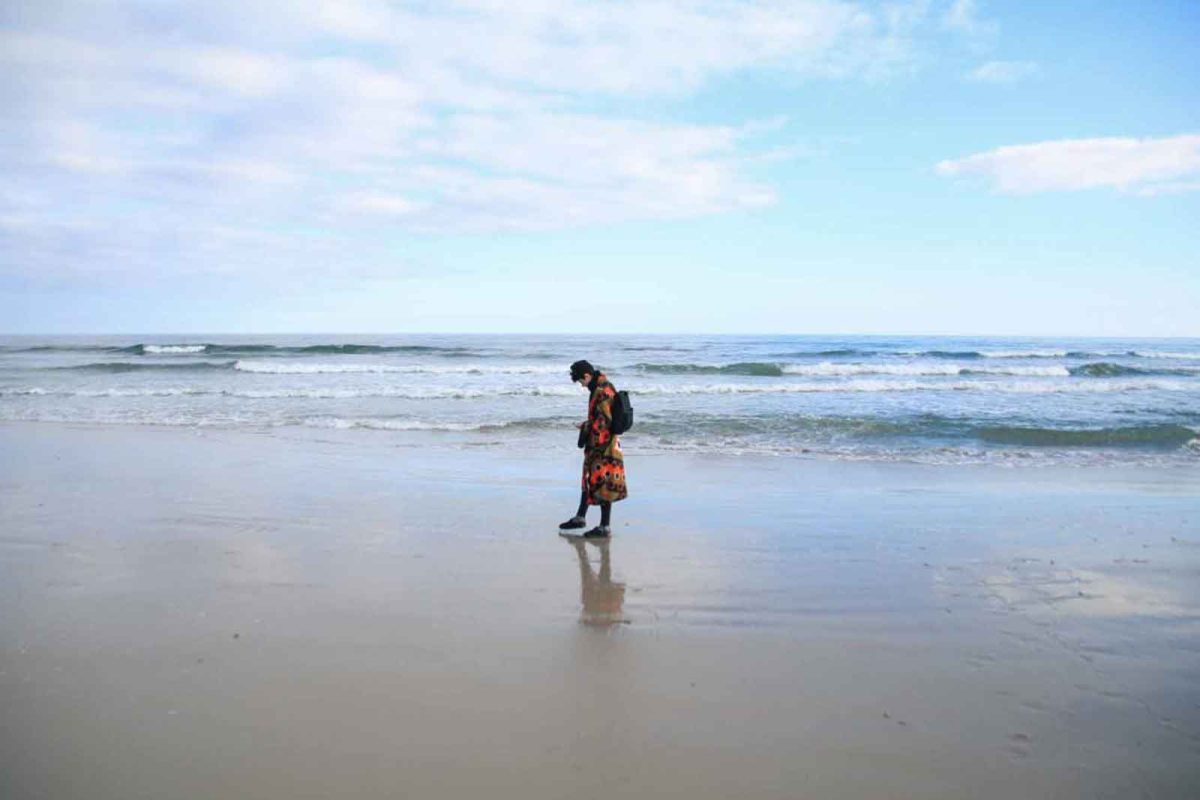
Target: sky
column 816, row 166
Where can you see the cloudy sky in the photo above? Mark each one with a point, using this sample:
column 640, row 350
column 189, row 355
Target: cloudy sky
column 932, row 166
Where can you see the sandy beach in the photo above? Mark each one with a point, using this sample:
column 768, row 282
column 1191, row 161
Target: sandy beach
column 204, row 613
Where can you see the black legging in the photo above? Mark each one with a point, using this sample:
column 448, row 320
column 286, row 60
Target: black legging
column 605, row 509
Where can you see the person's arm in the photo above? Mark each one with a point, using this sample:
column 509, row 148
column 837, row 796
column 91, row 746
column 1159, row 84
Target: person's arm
column 600, row 428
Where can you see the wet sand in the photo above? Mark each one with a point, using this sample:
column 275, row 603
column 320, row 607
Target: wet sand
column 196, row 614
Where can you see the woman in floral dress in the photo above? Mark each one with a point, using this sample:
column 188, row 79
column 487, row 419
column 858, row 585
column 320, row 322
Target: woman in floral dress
column 603, row 461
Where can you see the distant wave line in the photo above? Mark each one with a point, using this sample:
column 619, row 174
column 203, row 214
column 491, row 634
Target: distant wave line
column 831, row 369
column 852, row 386
column 185, row 348
column 985, row 354
column 787, row 433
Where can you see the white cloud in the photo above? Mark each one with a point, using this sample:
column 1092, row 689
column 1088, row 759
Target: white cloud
column 468, row 115
column 1144, row 166
column 1002, row 71
column 1181, row 187
column 236, row 71
column 385, row 204
column 258, row 171
column 963, row 16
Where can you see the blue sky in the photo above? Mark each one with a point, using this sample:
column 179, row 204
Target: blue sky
column 937, row 166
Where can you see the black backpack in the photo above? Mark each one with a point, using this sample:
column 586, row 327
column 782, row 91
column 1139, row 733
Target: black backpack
column 622, row 413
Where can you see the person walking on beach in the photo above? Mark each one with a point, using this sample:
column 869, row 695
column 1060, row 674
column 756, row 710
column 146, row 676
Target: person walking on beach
column 603, row 461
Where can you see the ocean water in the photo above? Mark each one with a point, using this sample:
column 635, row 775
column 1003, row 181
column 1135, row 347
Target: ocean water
column 926, row 399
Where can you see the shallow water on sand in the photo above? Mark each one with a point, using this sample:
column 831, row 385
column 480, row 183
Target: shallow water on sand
column 227, row 613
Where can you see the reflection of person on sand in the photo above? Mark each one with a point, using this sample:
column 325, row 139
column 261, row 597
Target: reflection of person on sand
column 602, row 599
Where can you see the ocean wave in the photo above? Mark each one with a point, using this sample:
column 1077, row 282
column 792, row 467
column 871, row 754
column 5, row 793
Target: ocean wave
column 1082, row 354
column 936, row 353
column 1023, row 353
column 927, row 429
column 968, row 354
column 37, row 391
column 189, row 348
column 1047, row 353
column 159, row 416
column 386, row 424
column 143, row 366
column 356, row 394
column 963, row 455
column 398, row 393
column 755, row 368
column 1175, row 356
column 836, row 352
column 630, row 348
column 883, row 385
column 832, row 369
column 302, row 368
column 920, row 438
column 411, row 424
column 1166, row 436
column 1101, row 369
column 851, row 386
column 54, row 348
column 1108, row 369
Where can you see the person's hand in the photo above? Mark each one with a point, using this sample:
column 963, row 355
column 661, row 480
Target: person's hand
column 580, row 425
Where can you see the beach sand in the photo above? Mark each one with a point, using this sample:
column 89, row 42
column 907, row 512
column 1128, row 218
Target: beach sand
column 205, row 613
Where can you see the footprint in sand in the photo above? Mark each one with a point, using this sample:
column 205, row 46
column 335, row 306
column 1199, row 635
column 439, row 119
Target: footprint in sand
column 1019, row 745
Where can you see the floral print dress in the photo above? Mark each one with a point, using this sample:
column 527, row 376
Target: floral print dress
column 603, row 462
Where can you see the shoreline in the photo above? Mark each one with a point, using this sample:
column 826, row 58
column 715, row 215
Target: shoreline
column 218, row 612
column 1065, row 460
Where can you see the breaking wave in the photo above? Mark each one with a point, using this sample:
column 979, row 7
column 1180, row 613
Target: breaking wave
column 303, row 368
column 315, row 349
column 756, row 368
column 832, row 369
column 852, row 386
column 882, row 385
column 410, row 424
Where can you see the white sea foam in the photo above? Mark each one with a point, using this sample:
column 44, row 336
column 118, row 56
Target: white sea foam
column 170, row 349
column 37, row 391
column 851, row 386
column 301, row 394
column 350, row 394
column 304, row 368
column 1168, row 354
column 831, row 369
column 883, row 385
column 1045, row 372
column 386, row 424
column 1008, row 457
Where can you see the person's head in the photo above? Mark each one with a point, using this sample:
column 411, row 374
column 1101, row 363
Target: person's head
column 582, row 371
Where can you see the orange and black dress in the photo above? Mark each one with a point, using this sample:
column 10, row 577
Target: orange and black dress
column 603, row 462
